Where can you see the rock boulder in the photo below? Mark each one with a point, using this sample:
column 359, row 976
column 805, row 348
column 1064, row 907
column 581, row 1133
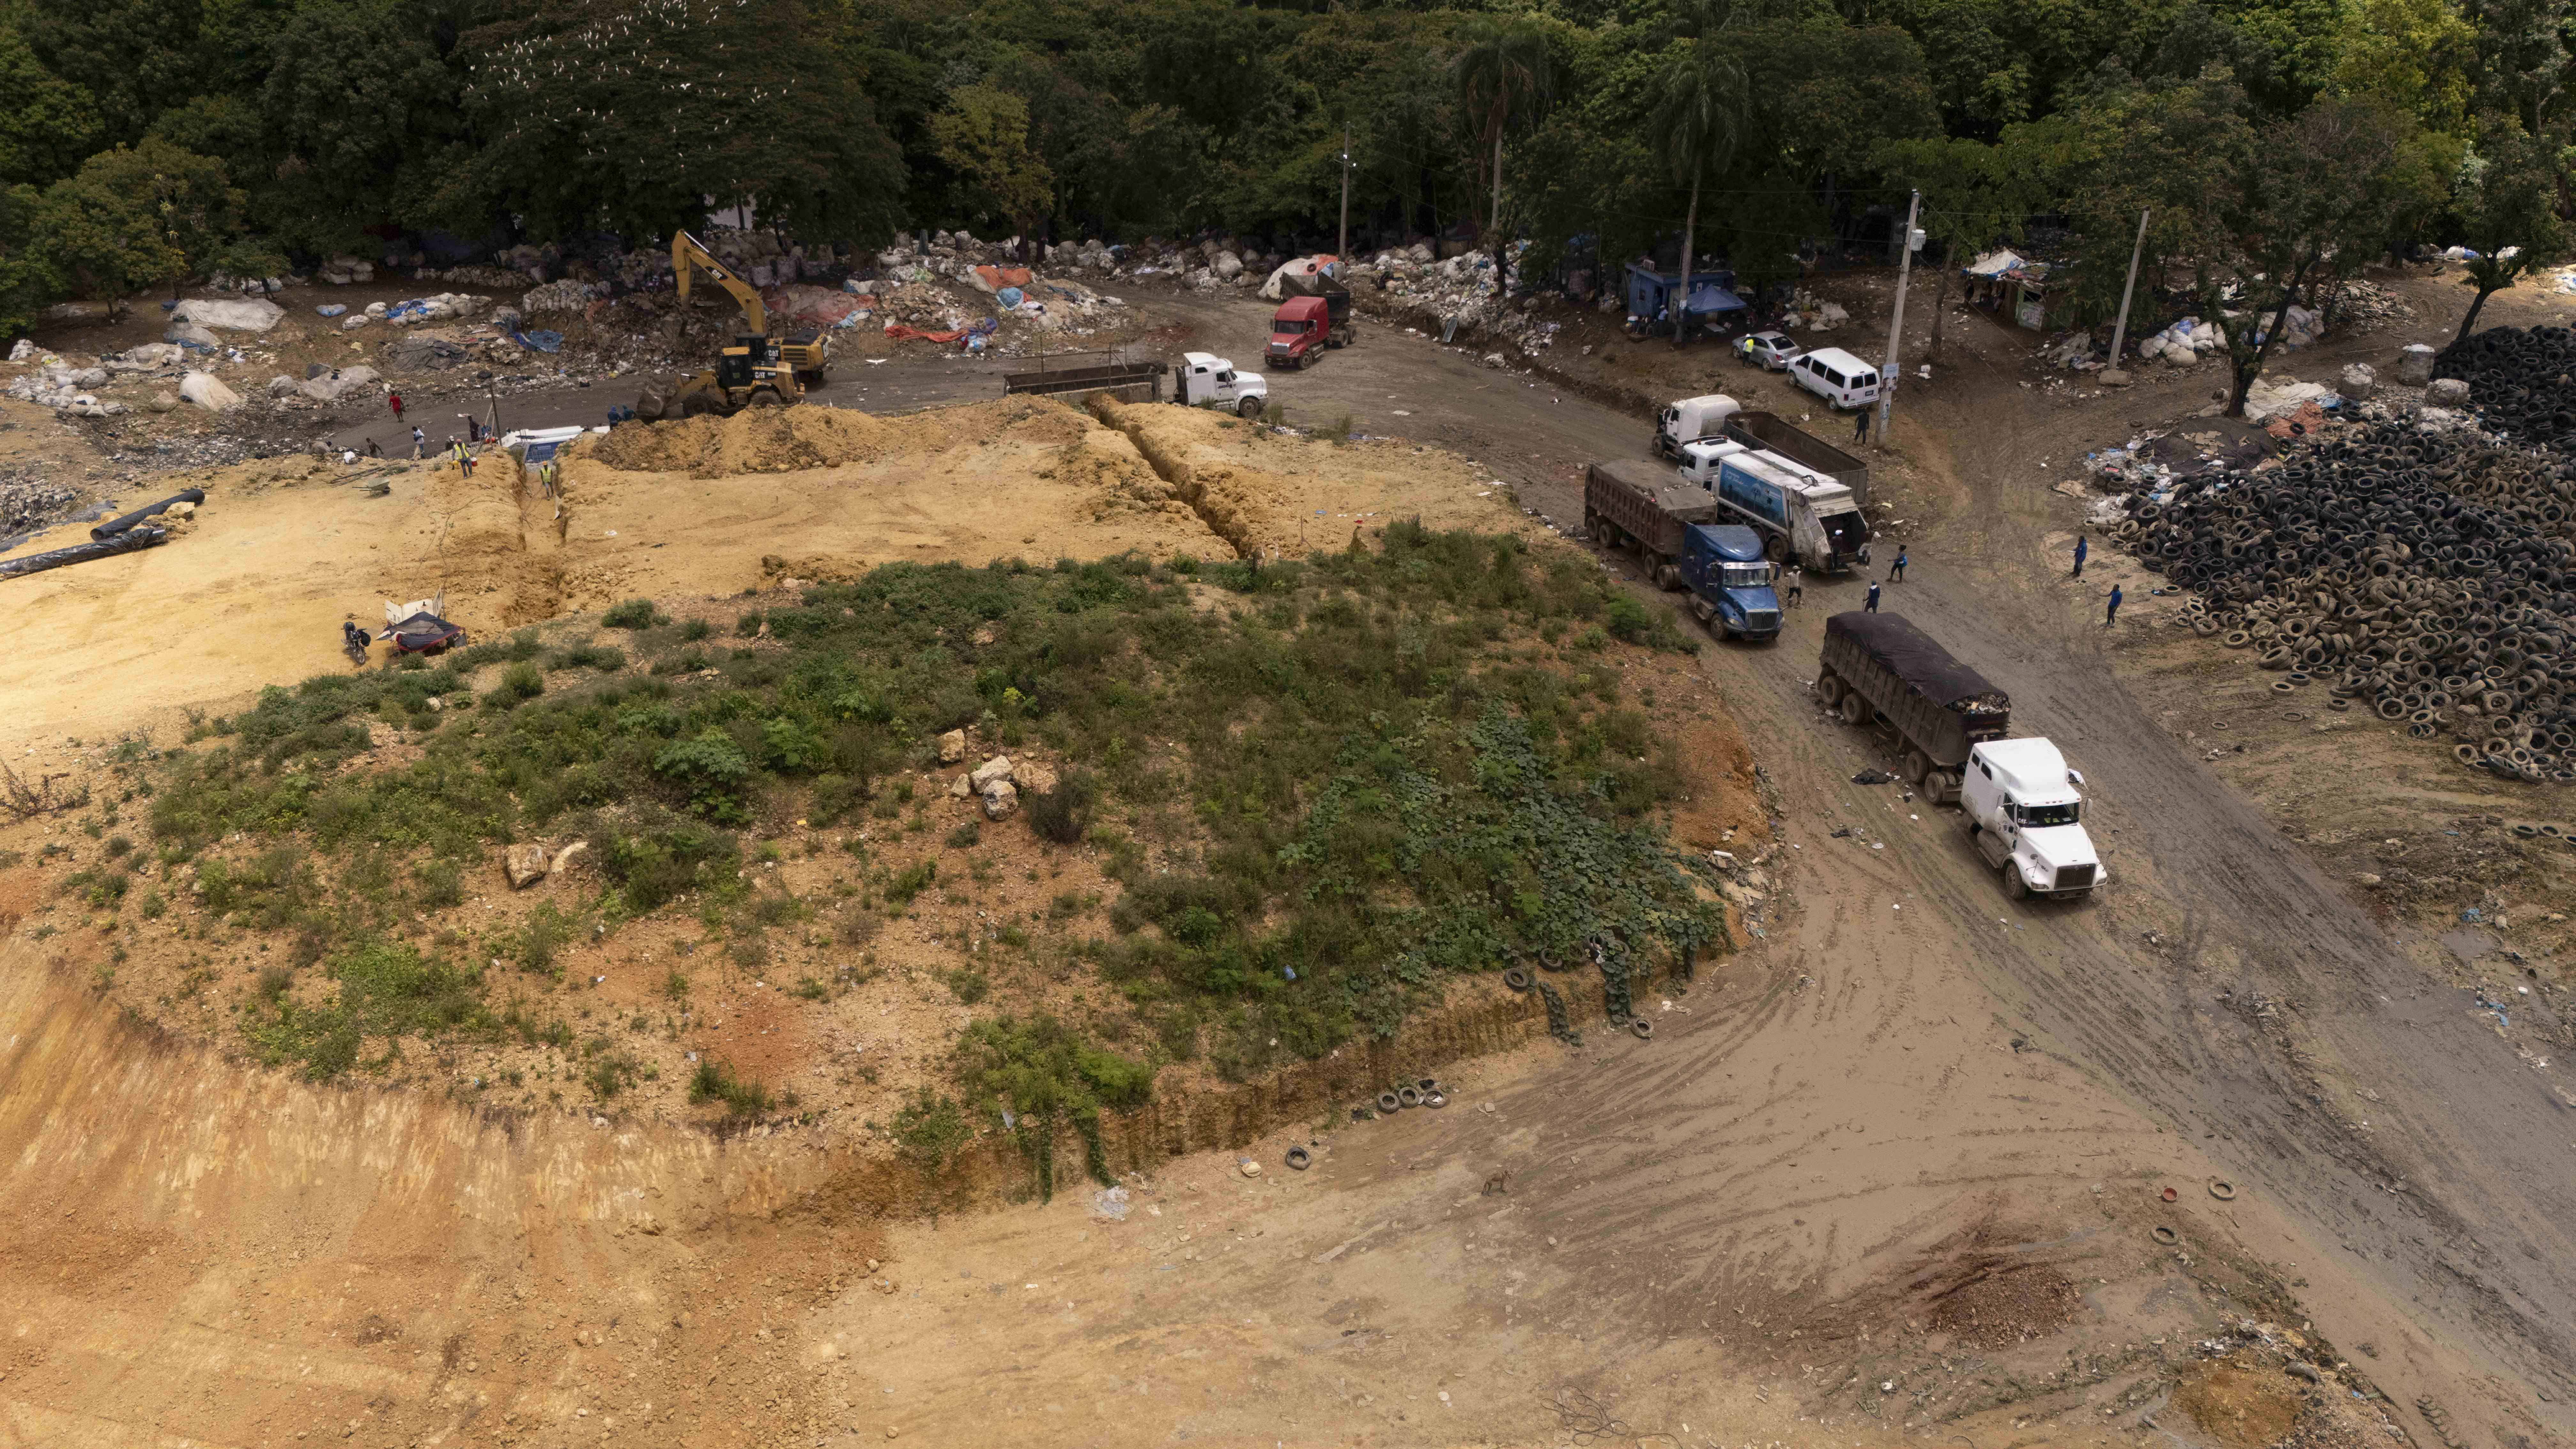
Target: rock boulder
column 525, row 864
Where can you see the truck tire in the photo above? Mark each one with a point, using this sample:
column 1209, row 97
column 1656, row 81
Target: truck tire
column 1829, row 689
column 1248, row 408
column 1917, row 768
column 1856, row 710
column 2014, row 885
column 1944, row 788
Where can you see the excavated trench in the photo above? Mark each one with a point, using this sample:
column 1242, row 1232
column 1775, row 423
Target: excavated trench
column 1224, row 517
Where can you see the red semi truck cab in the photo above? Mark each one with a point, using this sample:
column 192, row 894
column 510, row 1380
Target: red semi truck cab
column 1301, row 328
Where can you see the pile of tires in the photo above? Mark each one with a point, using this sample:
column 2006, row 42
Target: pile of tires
column 2426, row 578
column 2523, row 381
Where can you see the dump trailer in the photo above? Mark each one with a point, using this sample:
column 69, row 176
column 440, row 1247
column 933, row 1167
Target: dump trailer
column 1879, row 666
column 1125, row 381
column 1337, row 301
column 1646, row 507
column 1776, row 434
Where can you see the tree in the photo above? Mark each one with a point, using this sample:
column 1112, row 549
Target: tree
column 1975, row 195
column 47, row 124
column 359, row 114
column 983, row 136
column 2416, row 54
column 602, row 115
column 1502, row 71
column 134, row 215
column 2522, row 56
column 2508, row 197
column 135, row 58
column 1699, row 105
column 2255, row 215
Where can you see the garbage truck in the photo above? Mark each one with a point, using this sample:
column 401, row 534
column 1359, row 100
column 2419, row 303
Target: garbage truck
column 1801, row 514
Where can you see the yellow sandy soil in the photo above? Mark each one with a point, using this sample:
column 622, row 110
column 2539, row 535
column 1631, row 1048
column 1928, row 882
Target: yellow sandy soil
column 253, row 590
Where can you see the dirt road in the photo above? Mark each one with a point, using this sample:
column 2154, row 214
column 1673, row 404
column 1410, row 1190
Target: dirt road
column 2207, row 900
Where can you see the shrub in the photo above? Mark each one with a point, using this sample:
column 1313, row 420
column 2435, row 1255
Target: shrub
column 634, row 614
column 695, row 630
column 386, row 989
column 1063, row 813
column 966, row 836
column 714, row 1082
column 915, row 879
column 520, row 683
column 666, row 856
column 930, row 1129
column 712, row 768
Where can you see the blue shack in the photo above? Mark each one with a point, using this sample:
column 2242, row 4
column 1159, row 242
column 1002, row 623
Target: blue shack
column 1712, row 294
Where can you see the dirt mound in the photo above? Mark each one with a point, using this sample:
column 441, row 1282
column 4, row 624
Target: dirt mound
column 1269, row 492
column 796, row 440
column 756, row 440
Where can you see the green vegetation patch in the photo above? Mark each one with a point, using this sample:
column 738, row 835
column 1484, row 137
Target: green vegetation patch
column 1324, row 787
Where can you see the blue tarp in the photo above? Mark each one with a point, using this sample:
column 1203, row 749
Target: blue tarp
column 540, row 452
column 1708, row 298
column 539, row 340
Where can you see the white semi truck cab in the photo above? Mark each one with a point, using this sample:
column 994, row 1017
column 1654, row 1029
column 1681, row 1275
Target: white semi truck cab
column 2026, row 817
column 1203, row 379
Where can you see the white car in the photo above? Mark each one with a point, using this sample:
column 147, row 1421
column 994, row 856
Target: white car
column 1770, row 351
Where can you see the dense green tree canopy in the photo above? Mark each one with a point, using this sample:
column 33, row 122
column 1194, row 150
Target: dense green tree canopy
column 339, row 124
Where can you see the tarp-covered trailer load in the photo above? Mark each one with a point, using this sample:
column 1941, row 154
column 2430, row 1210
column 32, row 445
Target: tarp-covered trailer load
column 1645, row 507
column 1879, row 666
column 1774, row 433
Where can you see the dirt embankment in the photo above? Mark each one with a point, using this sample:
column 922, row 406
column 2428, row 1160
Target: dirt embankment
column 1274, row 495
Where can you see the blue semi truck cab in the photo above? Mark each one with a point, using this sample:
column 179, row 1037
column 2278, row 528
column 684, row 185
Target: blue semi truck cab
column 1730, row 581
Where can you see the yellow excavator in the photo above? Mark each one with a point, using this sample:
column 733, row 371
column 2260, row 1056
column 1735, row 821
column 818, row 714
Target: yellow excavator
column 760, row 369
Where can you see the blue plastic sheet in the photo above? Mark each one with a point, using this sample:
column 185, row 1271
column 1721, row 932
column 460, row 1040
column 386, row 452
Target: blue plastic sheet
column 540, row 340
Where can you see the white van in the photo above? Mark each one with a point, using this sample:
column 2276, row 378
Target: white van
column 1842, row 380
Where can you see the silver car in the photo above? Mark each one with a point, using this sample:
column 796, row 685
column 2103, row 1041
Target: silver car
column 1770, row 351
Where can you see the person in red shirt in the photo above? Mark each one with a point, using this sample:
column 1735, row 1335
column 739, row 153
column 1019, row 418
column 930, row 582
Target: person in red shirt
column 395, row 399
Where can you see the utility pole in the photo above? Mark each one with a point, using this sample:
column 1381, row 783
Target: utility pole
column 2120, row 332
column 1895, row 367
column 1342, row 248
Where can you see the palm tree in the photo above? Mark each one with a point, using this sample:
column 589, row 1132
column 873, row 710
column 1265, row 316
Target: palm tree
column 1698, row 115
column 1503, row 70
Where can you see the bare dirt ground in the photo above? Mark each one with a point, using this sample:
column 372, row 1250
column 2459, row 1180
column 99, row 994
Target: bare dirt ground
column 253, row 591
column 1896, row 1172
